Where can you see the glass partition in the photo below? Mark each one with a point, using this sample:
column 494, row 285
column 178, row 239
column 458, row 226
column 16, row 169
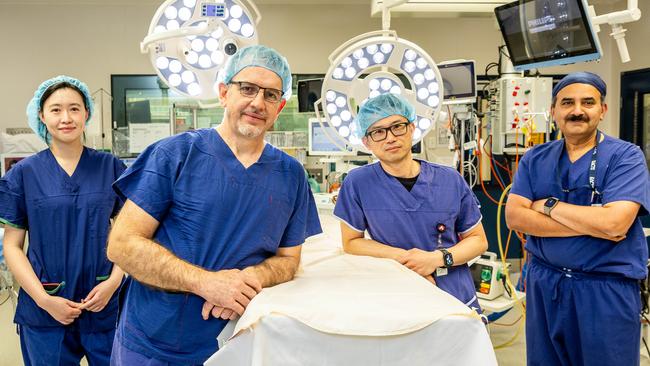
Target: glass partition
column 146, row 110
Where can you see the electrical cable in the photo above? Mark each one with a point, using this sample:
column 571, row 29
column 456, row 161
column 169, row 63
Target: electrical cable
column 508, row 325
column 480, row 171
column 506, row 272
column 500, row 179
column 498, row 164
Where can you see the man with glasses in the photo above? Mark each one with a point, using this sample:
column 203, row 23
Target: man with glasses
column 420, row 214
column 211, row 217
column 579, row 200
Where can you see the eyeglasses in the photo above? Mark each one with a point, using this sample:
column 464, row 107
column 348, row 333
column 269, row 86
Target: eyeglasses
column 250, row 90
column 596, row 196
column 380, row 134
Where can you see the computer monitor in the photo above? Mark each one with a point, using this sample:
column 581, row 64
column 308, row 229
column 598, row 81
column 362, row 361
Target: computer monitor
column 320, row 140
column 541, row 33
column 138, row 112
column 459, row 80
column 308, row 93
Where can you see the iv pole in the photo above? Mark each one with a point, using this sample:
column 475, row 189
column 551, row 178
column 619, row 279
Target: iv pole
column 100, row 93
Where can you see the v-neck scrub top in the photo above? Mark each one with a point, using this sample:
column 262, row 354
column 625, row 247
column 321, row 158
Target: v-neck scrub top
column 621, row 175
column 67, row 220
column 370, row 199
column 213, row 213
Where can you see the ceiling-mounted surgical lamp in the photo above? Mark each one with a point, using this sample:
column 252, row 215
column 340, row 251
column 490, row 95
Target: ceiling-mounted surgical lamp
column 367, row 66
column 189, row 42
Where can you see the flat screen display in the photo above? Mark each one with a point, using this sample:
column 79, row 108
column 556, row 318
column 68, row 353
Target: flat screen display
column 459, row 80
column 320, row 142
column 213, row 10
column 308, row 93
column 540, row 33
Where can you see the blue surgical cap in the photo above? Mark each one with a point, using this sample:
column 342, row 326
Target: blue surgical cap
column 581, row 77
column 260, row 56
column 34, row 106
column 380, row 107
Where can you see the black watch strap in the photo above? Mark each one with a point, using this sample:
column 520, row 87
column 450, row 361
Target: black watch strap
column 447, row 258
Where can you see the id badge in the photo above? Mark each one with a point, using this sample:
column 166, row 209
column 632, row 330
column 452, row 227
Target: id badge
column 441, row 272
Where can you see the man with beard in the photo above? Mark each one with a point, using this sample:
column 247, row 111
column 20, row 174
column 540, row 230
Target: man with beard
column 579, row 200
column 211, row 217
column 420, row 214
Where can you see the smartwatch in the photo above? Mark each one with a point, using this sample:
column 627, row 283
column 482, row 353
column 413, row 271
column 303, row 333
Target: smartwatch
column 549, row 205
column 447, row 258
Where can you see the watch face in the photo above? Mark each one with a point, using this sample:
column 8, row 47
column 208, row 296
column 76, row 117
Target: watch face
column 550, row 202
column 449, row 260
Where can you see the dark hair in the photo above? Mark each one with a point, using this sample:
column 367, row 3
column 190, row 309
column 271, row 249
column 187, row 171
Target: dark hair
column 62, row 85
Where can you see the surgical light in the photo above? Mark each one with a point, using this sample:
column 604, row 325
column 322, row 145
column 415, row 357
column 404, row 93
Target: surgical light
column 190, row 41
column 367, row 66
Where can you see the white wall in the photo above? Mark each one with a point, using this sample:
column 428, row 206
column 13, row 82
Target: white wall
column 92, row 42
column 637, row 38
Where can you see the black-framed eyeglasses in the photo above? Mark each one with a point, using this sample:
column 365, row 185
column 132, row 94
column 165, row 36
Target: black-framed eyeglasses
column 250, row 90
column 380, row 134
column 596, row 196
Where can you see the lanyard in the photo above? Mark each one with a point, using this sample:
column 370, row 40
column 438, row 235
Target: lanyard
column 592, row 172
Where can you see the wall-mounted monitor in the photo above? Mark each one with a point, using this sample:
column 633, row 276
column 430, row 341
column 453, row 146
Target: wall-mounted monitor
column 138, row 111
column 321, row 140
column 459, row 79
column 308, row 93
column 541, row 33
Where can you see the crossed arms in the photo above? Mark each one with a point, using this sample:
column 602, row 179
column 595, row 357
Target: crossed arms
column 611, row 221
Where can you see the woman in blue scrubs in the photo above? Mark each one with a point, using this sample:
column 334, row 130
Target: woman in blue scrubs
column 420, row 214
column 62, row 198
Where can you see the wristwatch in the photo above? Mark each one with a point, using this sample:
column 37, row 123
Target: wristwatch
column 447, row 258
column 549, row 205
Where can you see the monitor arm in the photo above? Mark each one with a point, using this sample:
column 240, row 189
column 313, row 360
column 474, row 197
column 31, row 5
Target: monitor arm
column 615, row 20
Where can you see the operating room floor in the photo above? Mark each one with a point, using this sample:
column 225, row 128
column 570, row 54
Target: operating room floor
column 503, row 331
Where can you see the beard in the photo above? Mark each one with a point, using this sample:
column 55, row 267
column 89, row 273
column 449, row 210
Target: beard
column 249, row 131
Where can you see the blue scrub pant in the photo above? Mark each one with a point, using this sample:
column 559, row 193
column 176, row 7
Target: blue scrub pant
column 122, row 356
column 47, row 346
column 581, row 319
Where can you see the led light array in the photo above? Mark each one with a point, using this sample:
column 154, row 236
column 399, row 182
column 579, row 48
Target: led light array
column 381, row 58
column 341, row 117
column 190, row 63
column 381, row 85
column 427, row 87
column 361, row 59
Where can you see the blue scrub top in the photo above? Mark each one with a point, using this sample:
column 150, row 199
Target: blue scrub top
column 213, row 213
column 370, row 199
column 67, row 220
column 621, row 175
